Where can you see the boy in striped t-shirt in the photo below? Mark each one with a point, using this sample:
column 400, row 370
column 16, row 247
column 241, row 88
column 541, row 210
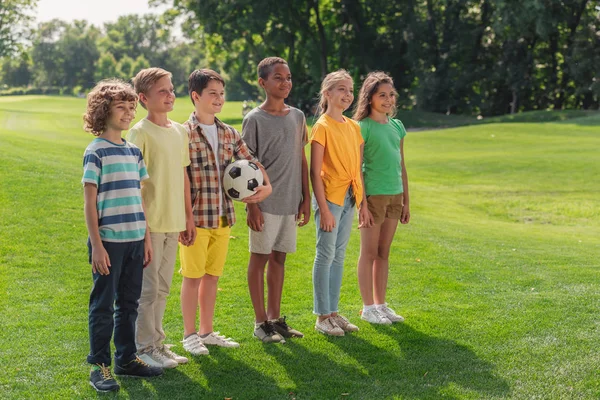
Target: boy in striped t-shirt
column 119, row 245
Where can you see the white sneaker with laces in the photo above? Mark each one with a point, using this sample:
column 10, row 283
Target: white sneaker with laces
column 172, row 355
column 390, row 314
column 155, row 358
column 329, row 327
column 343, row 323
column 194, row 345
column 214, row 339
column 373, row 316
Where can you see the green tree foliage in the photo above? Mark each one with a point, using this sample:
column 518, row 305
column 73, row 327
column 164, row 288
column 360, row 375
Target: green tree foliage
column 15, row 16
column 451, row 56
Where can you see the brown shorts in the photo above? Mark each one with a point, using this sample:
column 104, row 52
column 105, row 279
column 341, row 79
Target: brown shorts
column 384, row 206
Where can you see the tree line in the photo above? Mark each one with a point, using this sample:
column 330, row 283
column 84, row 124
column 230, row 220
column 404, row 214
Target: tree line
column 485, row 57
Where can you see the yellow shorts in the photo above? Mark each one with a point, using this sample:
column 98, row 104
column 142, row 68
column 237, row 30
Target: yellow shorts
column 208, row 253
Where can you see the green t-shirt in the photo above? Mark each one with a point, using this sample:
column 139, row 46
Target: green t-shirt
column 382, row 166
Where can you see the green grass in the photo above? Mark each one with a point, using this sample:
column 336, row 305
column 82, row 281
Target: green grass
column 497, row 275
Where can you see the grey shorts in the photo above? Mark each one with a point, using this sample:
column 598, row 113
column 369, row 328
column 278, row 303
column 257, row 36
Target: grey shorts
column 278, row 234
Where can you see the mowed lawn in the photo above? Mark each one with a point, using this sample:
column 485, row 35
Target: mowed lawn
column 497, row 275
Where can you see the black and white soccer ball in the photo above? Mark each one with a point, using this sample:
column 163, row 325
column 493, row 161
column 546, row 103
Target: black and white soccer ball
column 241, row 178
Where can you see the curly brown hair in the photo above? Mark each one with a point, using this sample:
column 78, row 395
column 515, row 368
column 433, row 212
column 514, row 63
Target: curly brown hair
column 369, row 87
column 99, row 101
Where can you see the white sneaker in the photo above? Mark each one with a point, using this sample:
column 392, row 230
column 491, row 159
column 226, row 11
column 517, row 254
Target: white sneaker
column 170, row 354
column 155, row 358
column 343, row 323
column 375, row 317
column 329, row 327
column 214, row 339
column 390, row 314
column 194, row 345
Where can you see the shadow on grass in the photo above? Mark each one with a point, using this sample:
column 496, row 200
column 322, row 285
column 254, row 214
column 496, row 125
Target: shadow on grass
column 423, row 367
column 216, row 376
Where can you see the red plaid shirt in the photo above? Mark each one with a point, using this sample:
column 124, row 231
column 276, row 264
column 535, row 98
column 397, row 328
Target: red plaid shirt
column 205, row 173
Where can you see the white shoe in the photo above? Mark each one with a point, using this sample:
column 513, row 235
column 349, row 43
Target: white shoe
column 214, row 339
column 155, row 358
column 329, row 327
column 194, row 345
column 170, row 354
column 343, row 323
column 375, row 317
column 390, row 314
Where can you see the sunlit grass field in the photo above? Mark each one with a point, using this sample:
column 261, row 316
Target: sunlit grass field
column 497, row 274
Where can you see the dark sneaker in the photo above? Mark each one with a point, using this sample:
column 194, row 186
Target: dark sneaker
column 102, row 380
column 284, row 329
column 266, row 332
column 137, row 369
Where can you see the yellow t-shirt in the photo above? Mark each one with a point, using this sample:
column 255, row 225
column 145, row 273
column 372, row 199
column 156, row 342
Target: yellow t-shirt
column 341, row 159
column 166, row 153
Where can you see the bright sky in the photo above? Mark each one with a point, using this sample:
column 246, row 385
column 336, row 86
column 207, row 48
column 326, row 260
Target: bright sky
column 95, row 11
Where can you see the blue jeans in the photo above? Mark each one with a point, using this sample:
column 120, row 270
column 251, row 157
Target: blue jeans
column 329, row 260
column 114, row 302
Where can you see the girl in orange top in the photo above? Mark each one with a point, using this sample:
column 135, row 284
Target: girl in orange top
column 336, row 159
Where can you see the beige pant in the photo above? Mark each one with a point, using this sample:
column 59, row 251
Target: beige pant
column 155, row 289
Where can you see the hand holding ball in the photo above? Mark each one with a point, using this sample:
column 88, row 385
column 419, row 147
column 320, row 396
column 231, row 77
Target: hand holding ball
column 241, row 178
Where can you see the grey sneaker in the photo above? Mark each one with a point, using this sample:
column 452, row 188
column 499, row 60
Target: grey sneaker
column 266, row 332
column 390, row 314
column 170, row 354
column 343, row 323
column 285, row 330
column 214, row 339
column 329, row 327
column 375, row 317
column 102, row 380
column 194, row 345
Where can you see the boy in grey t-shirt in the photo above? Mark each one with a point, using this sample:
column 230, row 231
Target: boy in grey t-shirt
column 276, row 133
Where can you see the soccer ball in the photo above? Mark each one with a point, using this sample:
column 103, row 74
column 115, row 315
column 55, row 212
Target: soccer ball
column 241, row 178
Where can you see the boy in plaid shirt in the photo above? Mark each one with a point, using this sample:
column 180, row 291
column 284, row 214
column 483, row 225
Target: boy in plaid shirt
column 213, row 145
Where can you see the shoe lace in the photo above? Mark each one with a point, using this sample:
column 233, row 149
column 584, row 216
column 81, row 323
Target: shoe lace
column 105, row 371
column 141, row 362
column 281, row 322
column 267, row 326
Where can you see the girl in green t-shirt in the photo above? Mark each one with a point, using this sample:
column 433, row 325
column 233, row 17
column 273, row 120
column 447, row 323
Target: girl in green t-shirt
column 386, row 185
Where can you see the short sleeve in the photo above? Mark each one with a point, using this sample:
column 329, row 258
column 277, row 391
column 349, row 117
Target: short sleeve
column 359, row 138
column 136, row 137
column 364, row 130
column 401, row 129
column 249, row 133
column 242, row 152
column 185, row 146
column 92, row 168
column 304, row 129
column 142, row 168
column 319, row 134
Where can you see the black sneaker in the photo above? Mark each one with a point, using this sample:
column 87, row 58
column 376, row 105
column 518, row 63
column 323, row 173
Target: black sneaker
column 285, row 330
column 136, row 368
column 266, row 333
column 102, row 380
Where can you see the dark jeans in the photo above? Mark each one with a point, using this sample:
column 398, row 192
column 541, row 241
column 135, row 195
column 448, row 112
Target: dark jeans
column 114, row 303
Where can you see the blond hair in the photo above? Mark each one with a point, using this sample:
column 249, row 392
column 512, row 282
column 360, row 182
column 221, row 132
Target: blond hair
column 330, row 82
column 146, row 78
column 369, row 87
column 99, row 101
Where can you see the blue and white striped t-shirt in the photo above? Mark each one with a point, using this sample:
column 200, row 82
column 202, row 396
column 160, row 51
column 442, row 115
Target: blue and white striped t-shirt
column 117, row 170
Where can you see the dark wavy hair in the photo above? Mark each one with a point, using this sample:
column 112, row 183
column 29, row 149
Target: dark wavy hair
column 369, row 87
column 99, row 101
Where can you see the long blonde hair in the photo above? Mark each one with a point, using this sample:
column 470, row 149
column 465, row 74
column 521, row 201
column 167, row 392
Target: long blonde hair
column 330, row 81
column 369, row 87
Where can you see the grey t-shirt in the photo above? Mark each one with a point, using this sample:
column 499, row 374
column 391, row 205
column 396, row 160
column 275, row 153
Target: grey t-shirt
column 277, row 142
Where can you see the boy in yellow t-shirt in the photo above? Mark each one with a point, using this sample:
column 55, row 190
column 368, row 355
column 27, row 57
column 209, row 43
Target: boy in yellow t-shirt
column 164, row 146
